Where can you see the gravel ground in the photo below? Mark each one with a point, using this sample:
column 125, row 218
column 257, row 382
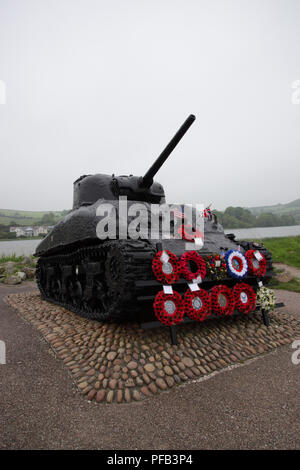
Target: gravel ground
column 254, row 406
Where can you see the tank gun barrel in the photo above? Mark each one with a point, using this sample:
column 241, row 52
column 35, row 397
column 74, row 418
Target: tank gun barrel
column 147, row 179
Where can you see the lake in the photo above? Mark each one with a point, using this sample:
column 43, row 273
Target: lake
column 265, row 232
column 19, row 247
column 27, row 247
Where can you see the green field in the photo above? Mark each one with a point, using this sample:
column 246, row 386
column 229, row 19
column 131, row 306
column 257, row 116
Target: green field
column 29, row 218
column 284, row 250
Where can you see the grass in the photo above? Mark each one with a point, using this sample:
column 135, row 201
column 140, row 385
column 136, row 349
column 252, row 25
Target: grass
column 13, row 257
column 26, row 218
column 292, row 286
column 284, row 250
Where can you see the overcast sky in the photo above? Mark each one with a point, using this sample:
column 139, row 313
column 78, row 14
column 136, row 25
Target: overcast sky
column 96, row 86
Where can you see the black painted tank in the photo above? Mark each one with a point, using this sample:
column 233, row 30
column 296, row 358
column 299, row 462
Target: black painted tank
column 114, row 279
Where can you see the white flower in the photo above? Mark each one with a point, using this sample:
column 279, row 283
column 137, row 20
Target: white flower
column 265, row 299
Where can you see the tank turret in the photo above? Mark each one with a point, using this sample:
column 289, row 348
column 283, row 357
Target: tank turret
column 90, row 188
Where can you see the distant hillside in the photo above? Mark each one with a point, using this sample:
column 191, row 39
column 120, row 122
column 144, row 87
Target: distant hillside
column 291, row 208
column 28, row 218
column 232, row 217
column 239, row 217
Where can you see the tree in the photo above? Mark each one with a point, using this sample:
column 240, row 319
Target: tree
column 48, row 219
column 287, row 220
column 267, row 220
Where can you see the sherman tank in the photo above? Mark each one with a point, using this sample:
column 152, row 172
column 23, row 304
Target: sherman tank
column 116, row 279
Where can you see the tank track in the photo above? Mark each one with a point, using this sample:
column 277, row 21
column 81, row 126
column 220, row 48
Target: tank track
column 97, row 282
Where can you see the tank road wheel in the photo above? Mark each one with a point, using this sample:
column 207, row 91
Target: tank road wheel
column 74, row 290
column 55, row 287
column 53, row 284
column 96, row 304
column 94, row 291
column 77, row 290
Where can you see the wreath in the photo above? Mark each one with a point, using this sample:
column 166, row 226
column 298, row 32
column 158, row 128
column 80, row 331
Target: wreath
column 256, row 267
column 215, row 267
column 244, row 297
column 169, row 308
column 236, row 264
column 197, row 304
column 187, row 261
column 222, row 300
column 166, row 267
column 265, row 299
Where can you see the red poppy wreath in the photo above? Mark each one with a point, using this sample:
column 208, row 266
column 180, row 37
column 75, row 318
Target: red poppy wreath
column 168, row 308
column 222, row 300
column 244, row 297
column 166, row 267
column 197, row 304
column 193, row 267
column 257, row 263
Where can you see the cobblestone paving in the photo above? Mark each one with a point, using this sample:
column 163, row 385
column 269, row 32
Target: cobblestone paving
column 123, row 363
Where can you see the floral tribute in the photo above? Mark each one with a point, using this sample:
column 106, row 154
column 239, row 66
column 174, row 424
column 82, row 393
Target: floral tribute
column 187, row 260
column 169, row 308
column 166, row 267
column 222, row 300
column 244, row 297
column 265, row 299
column 236, row 264
column 257, row 263
column 197, row 304
column 215, row 267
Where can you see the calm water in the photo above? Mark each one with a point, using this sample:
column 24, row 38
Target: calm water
column 265, row 232
column 27, row 247
column 19, row 247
